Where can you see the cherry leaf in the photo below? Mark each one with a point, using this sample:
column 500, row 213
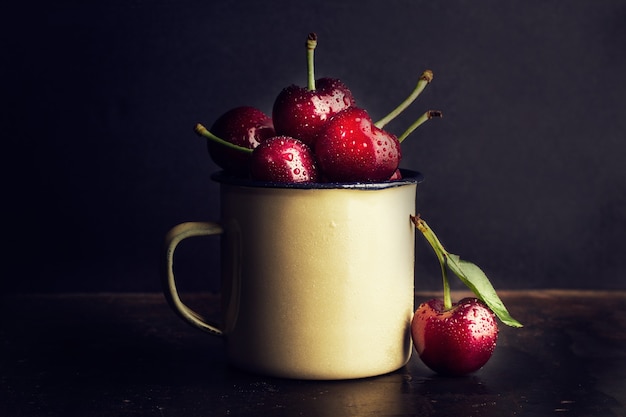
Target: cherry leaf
column 470, row 274
column 476, row 280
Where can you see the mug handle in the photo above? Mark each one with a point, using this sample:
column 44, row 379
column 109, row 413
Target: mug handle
column 176, row 235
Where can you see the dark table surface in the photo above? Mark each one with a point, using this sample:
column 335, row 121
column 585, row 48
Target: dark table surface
column 129, row 355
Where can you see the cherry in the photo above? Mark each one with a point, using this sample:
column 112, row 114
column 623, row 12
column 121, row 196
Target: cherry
column 454, row 341
column 397, row 175
column 301, row 112
column 351, row 148
column 457, row 338
column 283, row 159
column 243, row 126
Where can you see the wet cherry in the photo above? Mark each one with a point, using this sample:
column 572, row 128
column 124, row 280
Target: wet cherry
column 351, row 148
column 243, row 126
column 283, row 159
column 456, row 341
column 301, row 112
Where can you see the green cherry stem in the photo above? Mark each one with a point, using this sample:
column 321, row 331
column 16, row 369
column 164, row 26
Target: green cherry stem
column 442, row 255
column 447, row 298
column 424, row 80
column 420, row 121
column 204, row 132
column 311, row 43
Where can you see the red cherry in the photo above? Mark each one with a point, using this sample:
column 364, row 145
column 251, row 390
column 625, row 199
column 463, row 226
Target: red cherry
column 283, row 159
column 351, row 148
column 397, row 175
column 300, row 112
column 243, row 126
column 457, row 341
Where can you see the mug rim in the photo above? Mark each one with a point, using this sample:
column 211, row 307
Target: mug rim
column 408, row 177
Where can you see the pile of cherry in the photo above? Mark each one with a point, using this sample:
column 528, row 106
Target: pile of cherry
column 316, row 133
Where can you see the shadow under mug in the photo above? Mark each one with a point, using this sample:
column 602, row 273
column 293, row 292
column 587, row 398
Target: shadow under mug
column 317, row 280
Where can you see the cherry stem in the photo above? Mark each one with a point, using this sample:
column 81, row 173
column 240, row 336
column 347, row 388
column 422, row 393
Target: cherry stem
column 424, row 80
column 421, row 120
column 311, row 43
column 447, row 299
column 442, row 256
column 204, row 132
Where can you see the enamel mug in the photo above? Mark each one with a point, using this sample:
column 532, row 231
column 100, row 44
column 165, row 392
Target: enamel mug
column 317, row 280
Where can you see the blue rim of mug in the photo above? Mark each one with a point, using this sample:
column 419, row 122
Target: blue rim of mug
column 408, row 177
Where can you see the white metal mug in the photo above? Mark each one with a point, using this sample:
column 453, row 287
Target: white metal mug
column 317, row 279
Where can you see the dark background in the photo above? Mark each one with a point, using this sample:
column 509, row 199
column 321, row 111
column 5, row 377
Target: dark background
column 524, row 174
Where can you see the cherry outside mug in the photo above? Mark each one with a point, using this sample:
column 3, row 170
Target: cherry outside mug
column 317, row 280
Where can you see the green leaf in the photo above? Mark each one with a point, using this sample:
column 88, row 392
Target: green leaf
column 470, row 274
column 476, row 280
